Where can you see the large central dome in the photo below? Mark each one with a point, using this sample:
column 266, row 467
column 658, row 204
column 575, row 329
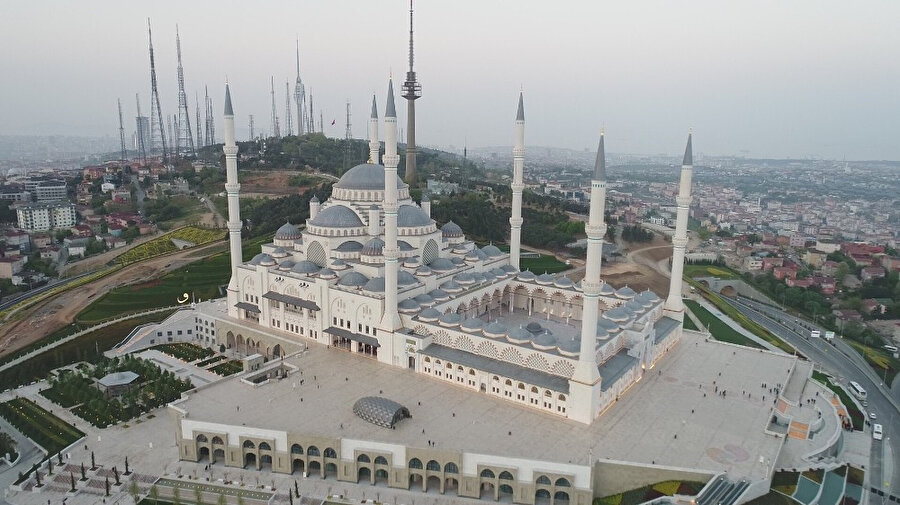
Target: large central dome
column 366, row 176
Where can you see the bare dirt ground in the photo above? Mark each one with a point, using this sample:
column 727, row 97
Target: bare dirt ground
column 646, row 267
column 95, row 262
column 269, row 183
column 58, row 311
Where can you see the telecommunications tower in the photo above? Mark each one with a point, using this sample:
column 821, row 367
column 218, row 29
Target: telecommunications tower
column 157, row 128
column 184, row 142
column 122, row 132
column 276, row 131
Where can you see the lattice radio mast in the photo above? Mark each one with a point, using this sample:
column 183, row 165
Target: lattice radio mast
column 157, row 128
column 122, row 132
column 140, row 129
column 288, row 122
column 276, row 131
column 184, row 142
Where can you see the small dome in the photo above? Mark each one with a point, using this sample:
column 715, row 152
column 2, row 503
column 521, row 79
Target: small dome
column 625, row 292
column 353, row 279
column 327, row 273
column 634, row 306
column 527, row 275
column 485, row 276
column 464, row 278
column 495, row 330
column 410, row 216
column 492, row 251
column 481, row 254
column 471, row 256
column 577, row 286
column 564, row 282
column 607, row 324
column 408, row 306
column 569, row 347
column 349, row 246
column 287, row 232
column 439, row 294
column 423, row 271
column 305, row 267
column 509, row 269
column 460, row 249
column 617, row 314
column 365, row 176
column 457, row 261
column 519, row 336
column 429, row 315
column 405, row 278
column 602, row 334
column 286, row 265
column 646, row 298
column 534, row 328
column 374, row 247
column 278, row 252
column 607, row 290
column 315, row 199
column 451, row 287
column 337, row 216
column 441, row 265
column 499, row 272
column 339, row 264
column 545, row 279
column 544, row 342
column 472, row 325
column 451, row 230
column 263, row 259
column 451, row 319
column 380, row 411
column 412, row 262
column 424, row 300
column 375, row 285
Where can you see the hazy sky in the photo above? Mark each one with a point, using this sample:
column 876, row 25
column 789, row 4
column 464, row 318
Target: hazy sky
column 759, row 78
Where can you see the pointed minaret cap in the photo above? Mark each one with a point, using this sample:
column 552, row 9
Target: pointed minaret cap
column 390, row 111
column 374, row 109
column 688, row 153
column 228, row 110
column 520, row 114
column 600, row 164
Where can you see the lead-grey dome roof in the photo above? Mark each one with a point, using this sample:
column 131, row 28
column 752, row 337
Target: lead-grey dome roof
column 349, row 246
column 411, row 216
column 375, row 285
column 441, row 264
column 405, row 278
column 492, row 250
column 305, row 267
column 365, row 176
column 429, row 314
column 373, row 247
column 337, row 216
column 451, row 229
column 287, row 232
column 380, row 411
column 353, row 279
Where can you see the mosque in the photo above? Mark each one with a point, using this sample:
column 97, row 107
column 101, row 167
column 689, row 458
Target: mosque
column 373, row 274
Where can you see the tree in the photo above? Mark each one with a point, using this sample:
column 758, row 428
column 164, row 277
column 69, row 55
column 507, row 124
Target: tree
column 134, row 491
column 7, row 444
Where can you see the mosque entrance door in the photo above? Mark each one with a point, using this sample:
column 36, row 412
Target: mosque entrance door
column 412, row 362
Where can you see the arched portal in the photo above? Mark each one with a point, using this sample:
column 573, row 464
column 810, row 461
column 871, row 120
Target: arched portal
column 297, row 466
column 364, row 475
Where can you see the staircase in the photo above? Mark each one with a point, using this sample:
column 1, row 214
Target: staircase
column 722, row 492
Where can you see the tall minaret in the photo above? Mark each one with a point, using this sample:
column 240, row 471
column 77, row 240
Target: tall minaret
column 232, row 188
column 674, row 306
column 586, row 375
column 411, row 91
column 374, row 144
column 391, row 319
column 515, row 219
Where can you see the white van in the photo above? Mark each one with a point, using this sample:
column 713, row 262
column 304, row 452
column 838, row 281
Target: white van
column 876, row 432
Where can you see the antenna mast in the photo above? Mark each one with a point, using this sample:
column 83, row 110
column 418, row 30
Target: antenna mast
column 140, row 130
column 210, row 125
column 197, row 122
column 412, row 90
column 348, row 138
column 251, row 128
column 184, row 143
column 276, row 132
column 300, row 96
column 122, row 132
column 157, row 129
column 288, row 122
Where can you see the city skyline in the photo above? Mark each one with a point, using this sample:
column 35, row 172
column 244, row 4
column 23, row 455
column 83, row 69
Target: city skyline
column 756, row 80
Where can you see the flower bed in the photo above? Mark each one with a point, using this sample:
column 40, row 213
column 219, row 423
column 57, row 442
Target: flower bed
column 227, row 368
column 184, row 351
column 163, row 244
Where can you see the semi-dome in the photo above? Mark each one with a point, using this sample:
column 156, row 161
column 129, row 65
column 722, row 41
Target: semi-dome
column 287, row 232
column 336, row 216
column 305, row 267
column 429, row 315
column 405, row 246
column 349, row 246
column 375, row 285
column 472, row 325
column 492, row 250
column 405, row 278
column 366, row 176
column 451, row 230
column 410, row 216
column 353, row 279
column 374, row 247
column 441, row 265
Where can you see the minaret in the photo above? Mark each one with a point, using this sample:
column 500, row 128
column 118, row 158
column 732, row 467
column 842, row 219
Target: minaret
column 232, row 188
column 391, row 319
column 515, row 220
column 674, row 306
column 586, row 375
column 374, row 144
column 411, row 91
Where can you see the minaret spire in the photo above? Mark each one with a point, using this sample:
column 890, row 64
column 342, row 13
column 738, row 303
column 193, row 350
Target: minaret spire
column 374, row 144
column 674, row 305
column 232, row 189
column 391, row 319
column 515, row 219
column 412, row 90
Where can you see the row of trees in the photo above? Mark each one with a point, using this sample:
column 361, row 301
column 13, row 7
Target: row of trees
column 634, row 233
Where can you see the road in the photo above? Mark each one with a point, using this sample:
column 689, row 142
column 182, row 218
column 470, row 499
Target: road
column 12, row 300
column 29, row 454
column 845, row 368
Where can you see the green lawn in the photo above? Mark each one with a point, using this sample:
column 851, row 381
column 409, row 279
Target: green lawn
column 721, row 272
column 227, row 368
column 163, row 244
column 543, row 264
column 856, row 416
column 652, row 491
column 42, row 427
column 184, row 351
column 201, row 280
column 689, row 324
column 718, row 328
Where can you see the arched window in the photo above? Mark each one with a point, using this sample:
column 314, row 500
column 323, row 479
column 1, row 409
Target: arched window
column 459, row 368
column 437, row 362
column 508, row 382
column 471, row 371
column 312, row 451
column 534, row 390
column 329, row 453
column 433, row 466
column 381, row 460
column 248, row 444
column 201, row 438
column 427, row 359
column 542, row 493
column 451, row 468
column 449, row 365
column 217, row 440
column 487, row 474
column 548, row 394
column 264, row 446
column 415, row 464
column 362, row 458
column 545, row 481
column 562, row 398
column 296, row 449
column 506, row 476
column 561, row 482
column 496, row 379
column 561, row 496
column 521, row 386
